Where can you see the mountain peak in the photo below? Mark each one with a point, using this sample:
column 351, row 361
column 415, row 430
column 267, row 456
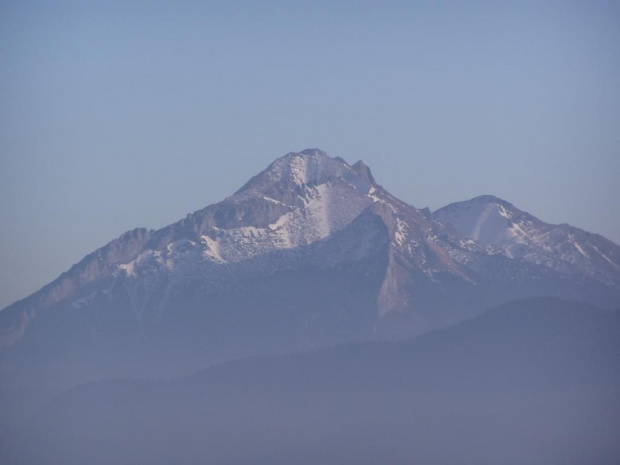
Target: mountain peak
column 364, row 171
column 487, row 219
column 486, row 203
column 489, row 199
column 313, row 152
column 310, row 167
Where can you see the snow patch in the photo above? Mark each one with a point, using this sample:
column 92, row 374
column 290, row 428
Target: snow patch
column 317, row 207
column 299, row 169
column 211, row 249
column 128, row 268
column 578, row 247
column 400, row 235
column 606, row 257
column 372, row 193
column 269, row 199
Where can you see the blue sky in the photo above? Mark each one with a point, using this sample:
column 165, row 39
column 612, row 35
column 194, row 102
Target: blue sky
column 115, row 115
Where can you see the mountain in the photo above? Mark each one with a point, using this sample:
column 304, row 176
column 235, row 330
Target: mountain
column 508, row 231
column 531, row 382
column 310, row 252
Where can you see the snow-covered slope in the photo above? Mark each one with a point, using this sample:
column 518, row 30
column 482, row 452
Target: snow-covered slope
column 516, row 234
column 489, row 220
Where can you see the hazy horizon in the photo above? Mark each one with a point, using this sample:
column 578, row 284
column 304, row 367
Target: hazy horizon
column 124, row 115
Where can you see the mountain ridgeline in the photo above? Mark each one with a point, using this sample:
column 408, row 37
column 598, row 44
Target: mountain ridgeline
column 308, row 253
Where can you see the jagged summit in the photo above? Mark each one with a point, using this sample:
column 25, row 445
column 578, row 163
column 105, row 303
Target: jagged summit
column 364, row 171
column 308, row 167
column 313, row 152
